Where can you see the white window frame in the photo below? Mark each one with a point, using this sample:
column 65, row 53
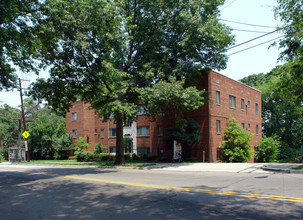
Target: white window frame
column 74, row 134
column 74, row 116
column 232, row 102
column 218, row 126
column 111, row 131
column 139, row 131
column 218, row 98
column 242, row 104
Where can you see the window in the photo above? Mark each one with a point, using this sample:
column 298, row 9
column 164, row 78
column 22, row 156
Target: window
column 256, row 108
column 217, row 97
column 74, row 133
column 127, row 124
column 102, row 133
column 248, row 127
column 248, row 104
column 242, row 104
column 232, row 101
column 160, row 130
column 143, row 131
column 74, row 116
column 96, row 132
column 243, row 125
column 143, row 150
column 95, row 114
column 112, row 149
column 218, row 127
column 112, row 132
column 257, row 130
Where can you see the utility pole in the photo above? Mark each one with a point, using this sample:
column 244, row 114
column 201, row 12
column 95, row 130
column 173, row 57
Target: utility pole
column 24, row 122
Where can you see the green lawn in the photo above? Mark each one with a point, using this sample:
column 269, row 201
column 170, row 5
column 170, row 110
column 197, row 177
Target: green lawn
column 298, row 168
column 74, row 162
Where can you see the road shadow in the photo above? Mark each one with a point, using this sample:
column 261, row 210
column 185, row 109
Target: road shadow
column 34, row 196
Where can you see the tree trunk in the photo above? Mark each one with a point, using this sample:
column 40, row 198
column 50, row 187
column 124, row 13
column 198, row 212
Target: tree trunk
column 119, row 140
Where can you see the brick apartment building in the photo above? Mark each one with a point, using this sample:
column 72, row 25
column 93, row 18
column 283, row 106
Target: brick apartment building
column 226, row 97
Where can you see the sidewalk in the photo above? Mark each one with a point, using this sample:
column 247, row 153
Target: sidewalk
column 227, row 167
column 200, row 167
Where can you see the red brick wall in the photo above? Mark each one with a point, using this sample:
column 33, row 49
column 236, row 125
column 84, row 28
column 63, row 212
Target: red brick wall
column 227, row 87
column 206, row 116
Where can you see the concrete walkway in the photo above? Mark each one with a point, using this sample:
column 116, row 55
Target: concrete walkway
column 228, row 167
column 212, row 167
column 200, row 167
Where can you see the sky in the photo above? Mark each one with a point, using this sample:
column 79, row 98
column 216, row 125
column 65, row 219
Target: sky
column 259, row 59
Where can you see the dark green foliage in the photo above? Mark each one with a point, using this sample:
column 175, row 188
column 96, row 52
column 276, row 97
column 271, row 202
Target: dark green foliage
column 106, row 157
column 9, row 126
column 289, row 154
column 127, row 144
column 188, row 136
column 127, row 157
column 45, row 127
column 268, row 149
column 18, row 44
column 282, row 110
column 83, row 156
column 171, row 99
column 135, row 157
column 62, row 146
column 236, row 143
column 3, row 154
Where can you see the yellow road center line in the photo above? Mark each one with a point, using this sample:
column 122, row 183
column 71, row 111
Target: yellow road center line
column 217, row 192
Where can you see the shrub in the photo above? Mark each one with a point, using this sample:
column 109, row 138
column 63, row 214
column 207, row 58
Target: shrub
column 236, row 143
column 99, row 148
column 288, row 154
column 62, row 146
column 135, row 157
column 152, row 158
column 268, row 149
column 106, row 157
column 81, row 144
column 126, row 157
column 3, row 153
column 82, row 156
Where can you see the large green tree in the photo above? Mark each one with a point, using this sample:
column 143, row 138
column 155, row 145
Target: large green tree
column 282, row 110
column 18, row 42
column 104, row 52
column 291, row 14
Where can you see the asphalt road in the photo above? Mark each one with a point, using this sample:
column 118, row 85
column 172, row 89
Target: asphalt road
column 102, row 193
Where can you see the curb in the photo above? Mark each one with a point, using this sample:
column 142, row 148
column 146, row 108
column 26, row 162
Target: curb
column 282, row 170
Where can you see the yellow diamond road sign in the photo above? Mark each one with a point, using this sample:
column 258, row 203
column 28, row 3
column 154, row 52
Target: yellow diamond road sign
column 25, row 134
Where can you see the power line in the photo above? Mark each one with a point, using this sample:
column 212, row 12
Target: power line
column 228, row 5
column 278, row 29
column 255, row 45
column 255, row 25
column 252, row 39
column 263, row 32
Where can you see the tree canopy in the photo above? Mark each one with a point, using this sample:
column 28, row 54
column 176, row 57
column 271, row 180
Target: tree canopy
column 282, row 110
column 104, row 52
column 18, row 42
